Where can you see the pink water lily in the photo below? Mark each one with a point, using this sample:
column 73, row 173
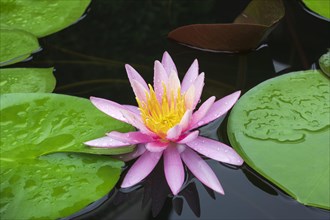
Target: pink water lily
column 167, row 126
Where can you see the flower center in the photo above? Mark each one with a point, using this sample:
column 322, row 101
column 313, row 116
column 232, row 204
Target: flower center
column 161, row 115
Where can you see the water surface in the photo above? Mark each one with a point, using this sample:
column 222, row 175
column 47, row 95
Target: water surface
column 89, row 59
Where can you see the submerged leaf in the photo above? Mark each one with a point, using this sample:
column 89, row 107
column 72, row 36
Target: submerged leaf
column 16, row 45
column 41, row 17
column 265, row 13
column 15, row 80
column 281, row 129
column 246, row 33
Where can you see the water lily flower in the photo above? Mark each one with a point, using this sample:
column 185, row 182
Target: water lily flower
column 167, row 126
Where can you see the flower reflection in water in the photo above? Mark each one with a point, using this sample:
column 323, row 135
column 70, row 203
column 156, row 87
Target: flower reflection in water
column 157, row 194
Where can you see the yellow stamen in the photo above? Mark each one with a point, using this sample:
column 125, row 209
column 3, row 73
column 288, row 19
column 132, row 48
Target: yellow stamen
column 160, row 116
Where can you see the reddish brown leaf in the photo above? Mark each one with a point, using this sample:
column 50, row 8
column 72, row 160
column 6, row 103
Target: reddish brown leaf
column 247, row 32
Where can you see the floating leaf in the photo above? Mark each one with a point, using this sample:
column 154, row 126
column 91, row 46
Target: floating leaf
column 324, row 63
column 321, row 7
column 53, row 186
column 38, row 185
column 281, row 129
column 16, row 80
column 246, row 33
column 16, row 45
column 41, row 17
column 35, row 124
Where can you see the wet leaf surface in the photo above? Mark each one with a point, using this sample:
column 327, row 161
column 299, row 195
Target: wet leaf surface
column 16, row 80
column 39, row 124
column 50, row 187
column 16, row 45
column 280, row 129
column 247, row 32
column 41, row 17
column 44, row 185
column 324, row 63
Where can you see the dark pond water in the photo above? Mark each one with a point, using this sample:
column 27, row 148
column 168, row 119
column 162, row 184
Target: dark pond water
column 89, row 58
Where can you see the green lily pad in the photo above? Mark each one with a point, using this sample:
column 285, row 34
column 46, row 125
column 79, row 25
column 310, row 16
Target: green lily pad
column 16, row 45
column 36, row 184
column 321, row 7
column 53, row 186
column 35, row 124
column 324, row 63
column 15, row 80
column 41, row 17
column 281, row 128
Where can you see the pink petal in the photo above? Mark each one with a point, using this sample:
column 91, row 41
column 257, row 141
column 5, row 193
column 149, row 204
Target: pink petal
column 190, row 76
column 201, row 112
column 168, row 64
column 134, row 75
column 135, row 120
column 141, row 168
column 220, row 107
column 173, row 169
column 119, row 112
column 160, row 79
column 106, row 142
column 199, row 84
column 139, row 91
column 139, row 150
column 215, row 150
column 186, row 120
column 156, row 146
column 201, row 170
column 111, row 108
column 174, row 133
column 173, row 85
column 189, row 97
column 180, row 147
column 133, row 109
column 188, row 137
column 135, row 137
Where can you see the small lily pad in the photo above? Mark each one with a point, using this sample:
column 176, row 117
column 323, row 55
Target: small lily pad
column 41, row 17
column 321, row 7
column 15, row 80
column 16, row 45
column 281, row 128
